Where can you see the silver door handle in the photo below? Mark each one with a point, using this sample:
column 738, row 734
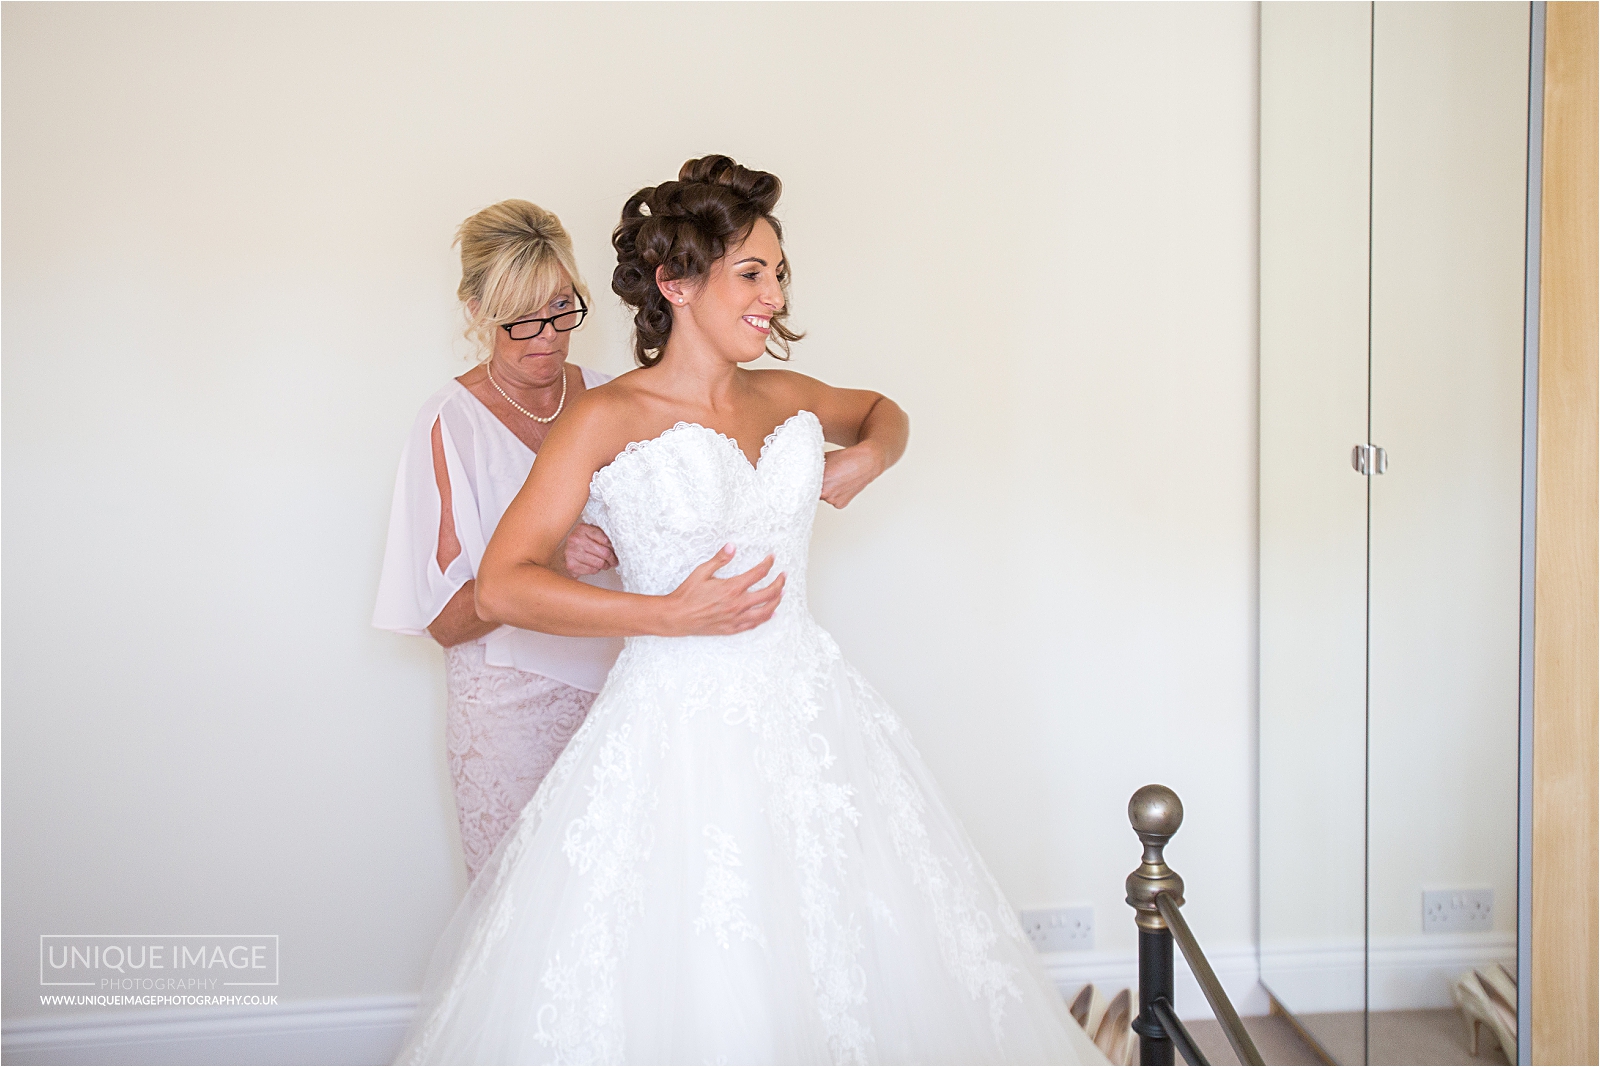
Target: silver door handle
column 1369, row 459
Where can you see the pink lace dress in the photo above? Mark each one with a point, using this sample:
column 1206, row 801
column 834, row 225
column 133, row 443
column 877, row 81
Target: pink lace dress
column 504, row 729
column 514, row 697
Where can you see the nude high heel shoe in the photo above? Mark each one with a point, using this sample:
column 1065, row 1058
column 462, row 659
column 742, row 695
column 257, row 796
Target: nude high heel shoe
column 1088, row 1007
column 1502, row 989
column 1484, row 1005
column 1114, row 1035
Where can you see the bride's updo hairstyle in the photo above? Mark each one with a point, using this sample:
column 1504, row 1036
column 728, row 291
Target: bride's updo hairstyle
column 686, row 226
column 514, row 257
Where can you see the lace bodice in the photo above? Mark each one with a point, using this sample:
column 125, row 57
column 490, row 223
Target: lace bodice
column 671, row 502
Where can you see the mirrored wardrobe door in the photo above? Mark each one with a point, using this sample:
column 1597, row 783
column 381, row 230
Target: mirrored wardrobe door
column 1313, row 408
column 1394, row 149
column 1450, row 143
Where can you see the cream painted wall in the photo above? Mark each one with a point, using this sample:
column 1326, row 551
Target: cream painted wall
column 227, row 288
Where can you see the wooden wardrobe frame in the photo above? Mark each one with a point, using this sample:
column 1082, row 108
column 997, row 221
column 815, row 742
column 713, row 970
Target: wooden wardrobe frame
column 1561, row 1016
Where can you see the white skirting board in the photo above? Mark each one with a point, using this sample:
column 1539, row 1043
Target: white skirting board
column 347, row 1030
column 1406, row 973
column 1110, row 971
column 367, row 1030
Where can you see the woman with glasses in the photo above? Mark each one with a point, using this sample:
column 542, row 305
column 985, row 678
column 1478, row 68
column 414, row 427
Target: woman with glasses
column 515, row 697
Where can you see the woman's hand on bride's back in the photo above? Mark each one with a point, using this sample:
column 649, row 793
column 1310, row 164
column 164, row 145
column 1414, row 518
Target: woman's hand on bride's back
column 705, row 604
column 587, row 550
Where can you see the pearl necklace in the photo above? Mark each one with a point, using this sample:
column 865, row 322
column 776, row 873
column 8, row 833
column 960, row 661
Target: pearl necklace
column 536, row 418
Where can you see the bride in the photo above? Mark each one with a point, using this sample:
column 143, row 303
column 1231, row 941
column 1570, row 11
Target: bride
column 740, row 856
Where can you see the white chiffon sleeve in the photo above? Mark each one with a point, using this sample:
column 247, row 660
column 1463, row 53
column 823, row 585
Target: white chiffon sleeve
column 487, row 466
column 412, row 590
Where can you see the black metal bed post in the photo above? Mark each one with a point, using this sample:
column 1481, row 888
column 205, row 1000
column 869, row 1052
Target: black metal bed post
column 1156, row 813
column 1155, row 982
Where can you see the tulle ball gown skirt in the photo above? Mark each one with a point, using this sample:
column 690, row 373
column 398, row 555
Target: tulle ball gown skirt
column 739, row 858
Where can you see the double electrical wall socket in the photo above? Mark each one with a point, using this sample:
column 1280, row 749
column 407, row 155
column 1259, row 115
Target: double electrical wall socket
column 1060, row 929
column 1457, row 910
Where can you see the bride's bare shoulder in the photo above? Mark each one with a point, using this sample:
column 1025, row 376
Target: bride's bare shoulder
column 602, row 421
column 787, row 388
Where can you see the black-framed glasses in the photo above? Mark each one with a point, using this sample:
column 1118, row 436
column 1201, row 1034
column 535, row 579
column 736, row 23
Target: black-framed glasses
column 528, row 329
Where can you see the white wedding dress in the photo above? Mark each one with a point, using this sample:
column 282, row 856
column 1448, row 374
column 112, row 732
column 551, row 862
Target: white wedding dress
column 739, row 857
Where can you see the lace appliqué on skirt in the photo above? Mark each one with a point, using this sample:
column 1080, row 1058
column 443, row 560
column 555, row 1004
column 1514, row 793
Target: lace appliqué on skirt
column 720, row 910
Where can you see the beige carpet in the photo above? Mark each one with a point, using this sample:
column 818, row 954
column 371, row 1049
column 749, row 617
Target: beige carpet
column 1275, row 1039
column 1398, row 1037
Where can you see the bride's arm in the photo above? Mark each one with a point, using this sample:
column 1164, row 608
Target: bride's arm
column 873, row 429
column 519, row 585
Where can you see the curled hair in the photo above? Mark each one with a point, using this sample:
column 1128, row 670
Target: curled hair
column 685, row 226
column 514, row 257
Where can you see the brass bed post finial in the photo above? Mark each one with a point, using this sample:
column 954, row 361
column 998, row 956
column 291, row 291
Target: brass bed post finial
column 1156, row 813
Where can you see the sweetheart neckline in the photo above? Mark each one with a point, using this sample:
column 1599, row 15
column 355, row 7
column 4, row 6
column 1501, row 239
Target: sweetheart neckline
column 633, row 447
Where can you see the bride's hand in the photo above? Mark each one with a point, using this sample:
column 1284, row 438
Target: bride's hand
column 705, row 604
column 847, row 471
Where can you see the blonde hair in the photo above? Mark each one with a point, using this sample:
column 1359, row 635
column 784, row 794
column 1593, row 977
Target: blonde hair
column 514, row 257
